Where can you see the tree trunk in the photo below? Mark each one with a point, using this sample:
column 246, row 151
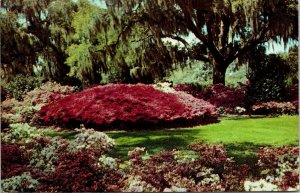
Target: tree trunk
column 219, row 71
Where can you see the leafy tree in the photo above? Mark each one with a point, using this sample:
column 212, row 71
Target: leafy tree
column 111, row 44
column 36, row 32
column 227, row 29
column 292, row 59
column 267, row 75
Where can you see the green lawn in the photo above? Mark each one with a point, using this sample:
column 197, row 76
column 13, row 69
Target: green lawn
column 240, row 136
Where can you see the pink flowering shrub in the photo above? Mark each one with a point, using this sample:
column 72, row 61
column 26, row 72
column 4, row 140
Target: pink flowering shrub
column 126, row 106
column 220, row 95
column 223, row 97
column 273, row 107
column 14, row 111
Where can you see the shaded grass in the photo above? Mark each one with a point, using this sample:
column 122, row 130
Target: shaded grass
column 241, row 136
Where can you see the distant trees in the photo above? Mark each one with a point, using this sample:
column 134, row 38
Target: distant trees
column 35, row 32
column 123, row 41
column 227, row 29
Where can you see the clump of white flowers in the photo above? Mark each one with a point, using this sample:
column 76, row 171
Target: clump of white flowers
column 89, row 138
column 136, row 184
column 239, row 110
column 108, row 162
column 175, row 189
column 260, row 185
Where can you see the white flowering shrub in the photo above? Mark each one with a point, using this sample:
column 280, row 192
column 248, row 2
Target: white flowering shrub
column 21, row 133
column 22, row 183
column 45, row 151
column 107, row 162
column 260, row 185
column 136, row 184
column 90, row 139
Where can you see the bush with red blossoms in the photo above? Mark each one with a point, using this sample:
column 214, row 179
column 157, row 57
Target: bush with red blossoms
column 127, row 106
column 79, row 172
column 274, row 108
column 14, row 161
column 220, row 95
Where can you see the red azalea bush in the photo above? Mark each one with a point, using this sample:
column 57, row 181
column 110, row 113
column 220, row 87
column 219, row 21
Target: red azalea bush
column 13, row 161
column 273, row 107
column 79, row 172
column 220, row 95
column 126, row 105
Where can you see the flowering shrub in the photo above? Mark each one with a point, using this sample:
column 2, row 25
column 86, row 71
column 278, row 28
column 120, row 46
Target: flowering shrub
column 78, row 172
column 48, row 92
column 280, row 166
column 13, row 161
column 166, row 171
column 20, row 133
column 14, row 111
column 273, row 108
column 43, row 153
column 88, row 139
column 222, row 96
column 126, row 106
column 56, row 164
column 21, row 183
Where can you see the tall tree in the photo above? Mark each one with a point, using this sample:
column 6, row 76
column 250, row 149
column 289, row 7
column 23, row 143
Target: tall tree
column 36, row 31
column 226, row 29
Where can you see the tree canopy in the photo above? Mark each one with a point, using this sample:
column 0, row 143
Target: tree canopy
column 124, row 40
column 226, row 29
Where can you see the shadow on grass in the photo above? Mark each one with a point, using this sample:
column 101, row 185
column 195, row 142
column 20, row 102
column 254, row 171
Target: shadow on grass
column 179, row 140
column 241, row 117
column 64, row 134
column 154, row 141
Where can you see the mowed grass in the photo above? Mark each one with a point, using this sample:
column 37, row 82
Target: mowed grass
column 241, row 137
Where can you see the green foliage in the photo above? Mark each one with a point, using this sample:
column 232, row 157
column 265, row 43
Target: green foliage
column 235, row 75
column 37, row 34
column 292, row 59
column 20, row 85
column 267, row 75
column 22, row 183
column 200, row 74
column 194, row 74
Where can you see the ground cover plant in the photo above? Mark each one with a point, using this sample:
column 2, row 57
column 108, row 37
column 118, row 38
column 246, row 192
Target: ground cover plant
column 127, row 106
